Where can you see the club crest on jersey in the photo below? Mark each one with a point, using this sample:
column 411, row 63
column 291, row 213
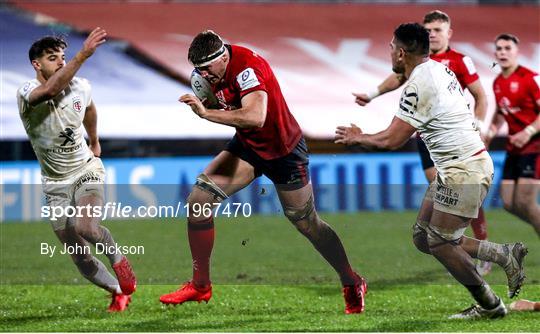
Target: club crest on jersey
column 77, row 104
column 514, row 86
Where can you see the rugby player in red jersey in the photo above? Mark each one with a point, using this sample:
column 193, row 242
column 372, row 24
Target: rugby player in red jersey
column 517, row 95
column 268, row 141
column 438, row 25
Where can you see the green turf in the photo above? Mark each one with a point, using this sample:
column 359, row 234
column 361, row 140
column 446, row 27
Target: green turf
column 267, row 278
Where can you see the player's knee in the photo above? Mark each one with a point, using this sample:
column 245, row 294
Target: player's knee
column 305, row 213
column 88, row 229
column 437, row 238
column 420, row 238
column 206, row 190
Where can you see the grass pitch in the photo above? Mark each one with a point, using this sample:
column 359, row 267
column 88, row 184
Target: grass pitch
column 266, row 277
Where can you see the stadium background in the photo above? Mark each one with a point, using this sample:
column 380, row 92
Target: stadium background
column 153, row 147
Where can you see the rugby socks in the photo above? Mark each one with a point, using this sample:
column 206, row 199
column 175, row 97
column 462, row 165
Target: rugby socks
column 107, row 244
column 201, row 242
column 493, row 252
column 484, row 296
column 479, row 226
column 95, row 271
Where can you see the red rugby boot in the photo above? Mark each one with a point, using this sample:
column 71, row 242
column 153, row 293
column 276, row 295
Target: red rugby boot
column 125, row 275
column 354, row 296
column 119, row 302
column 187, row 293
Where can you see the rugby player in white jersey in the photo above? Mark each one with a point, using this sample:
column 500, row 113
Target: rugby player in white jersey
column 54, row 107
column 432, row 103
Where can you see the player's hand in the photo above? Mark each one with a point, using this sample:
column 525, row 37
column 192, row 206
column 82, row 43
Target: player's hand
column 361, row 99
column 95, row 147
column 95, row 39
column 347, row 134
column 520, row 139
column 196, row 105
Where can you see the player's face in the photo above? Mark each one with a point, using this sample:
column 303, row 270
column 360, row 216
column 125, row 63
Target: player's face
column 397, row 55
column 506, row 53
column 439, row 35
column 50, row 62
column 215, row 71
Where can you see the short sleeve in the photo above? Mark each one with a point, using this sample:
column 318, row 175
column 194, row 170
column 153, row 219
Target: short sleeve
column 411, row 99
column 251, row 78
column 534, row 85
column 26, row 89
column 468, row 71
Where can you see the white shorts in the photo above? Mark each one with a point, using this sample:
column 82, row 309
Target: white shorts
column 66, row 192
column 460, row 188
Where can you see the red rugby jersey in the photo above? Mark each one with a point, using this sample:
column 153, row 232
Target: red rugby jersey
column 516, row 98
column 248, row 72
column 460, row 64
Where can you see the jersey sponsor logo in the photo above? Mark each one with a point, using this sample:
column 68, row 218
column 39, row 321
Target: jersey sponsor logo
column 247, row 79
column 469, row 65
column 409, row 100
column 514, row 86
column 77, row 104
column 64, row 149
column 90, row 177
column 68, row 136
column 446, row 196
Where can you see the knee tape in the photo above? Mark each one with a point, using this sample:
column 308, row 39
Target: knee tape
column 295, row 215
column 205, row 183
column 420, row 227
column 438, row 237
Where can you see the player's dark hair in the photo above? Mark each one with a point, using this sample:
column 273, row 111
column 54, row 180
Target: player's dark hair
column 436, row 15
column 47, row 44
column 507, row 37
column 413, row 38
column 204, row 44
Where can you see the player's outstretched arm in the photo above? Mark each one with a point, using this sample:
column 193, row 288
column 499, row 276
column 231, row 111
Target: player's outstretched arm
column 393, row 82
column 90, row 125
column 59, row 81
column 395, row 136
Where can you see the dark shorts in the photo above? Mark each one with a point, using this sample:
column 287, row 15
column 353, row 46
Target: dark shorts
column 424, row 154
column 525, row 166
column 291, row 170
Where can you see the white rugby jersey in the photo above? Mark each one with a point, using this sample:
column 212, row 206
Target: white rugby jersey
column 55, row 127
column 433, row 102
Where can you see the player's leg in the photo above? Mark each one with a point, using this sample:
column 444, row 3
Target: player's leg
column 298, row 206
column 92, row 268
column 525, row 201
column 89, row 193
column 444, row 233
column 224, row 176
column 422, row 221
column 478, row 225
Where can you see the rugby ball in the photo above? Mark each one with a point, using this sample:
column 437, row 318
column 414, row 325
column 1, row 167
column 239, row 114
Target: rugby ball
column 203, row 90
